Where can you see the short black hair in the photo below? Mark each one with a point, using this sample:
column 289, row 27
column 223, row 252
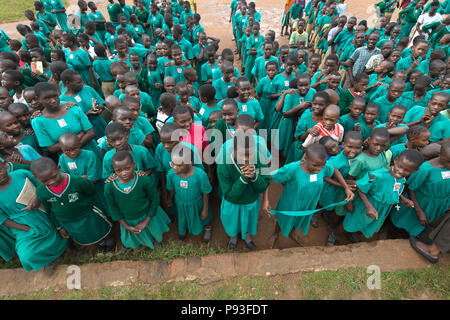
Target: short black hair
column 380, row 132
column 413, row 156
column 317, row 150
column 42, row 164
column 207, row 91
column 42, row 87
column 353, row 135
column 114, row 128
column 245, row 120
column 415, row 132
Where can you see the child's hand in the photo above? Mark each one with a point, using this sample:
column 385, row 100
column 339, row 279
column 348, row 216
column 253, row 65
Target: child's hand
column 349, row 206
column 168, row 203
column 133, row 229
column 142, row 225
column 407, row 202
column 422, row 217
column 158, row 85
column 204, row 214
column 68, row 105
column 111, row 178
column 33, row 204
column 351, row 184
column 63, row 233
column 314, row 131
column 350, row 195
column 266, row 207
column 372, row 213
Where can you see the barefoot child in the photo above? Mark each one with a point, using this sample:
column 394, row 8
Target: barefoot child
column 190, row 186
column 67, row 200
column 133, row 201
column 263, row 91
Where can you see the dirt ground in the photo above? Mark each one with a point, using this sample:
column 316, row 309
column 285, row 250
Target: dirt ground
column 215, row 15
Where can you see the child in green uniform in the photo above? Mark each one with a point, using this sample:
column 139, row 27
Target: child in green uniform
column 369, row 120
column 349, row 120
column 263, row 91
column 227, row 124
column 86, row 98
column 155, row 84
column 209, row 104
column 332, row 191
column 102, row 67
column 68, row 202
column 190, row 186
column 396, row 116
column 176, row 69
column 242, row 180
column 224, row 83
column 82, row 163
column 281, row 80
column 11, row 125
column 253, row 43
column 117, row 139
column 305, row 125
column 133, row 201
column 416, row 139
column 56, row 120
column 304, row 182
column 428, row 188
column 393, row 97
column 260, row 66
column 378, row 191
column 209, row 66
column 185, row 96
column 25, row 229
column 245, row 105
column 419, row 95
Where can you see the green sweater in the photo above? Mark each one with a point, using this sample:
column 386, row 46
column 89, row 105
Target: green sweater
column 141, row 200
column 235, row 187
column 73, row 204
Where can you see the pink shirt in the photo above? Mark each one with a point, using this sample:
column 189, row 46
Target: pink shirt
column 197, row 138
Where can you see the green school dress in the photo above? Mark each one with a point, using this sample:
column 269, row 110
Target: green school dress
column 87, row 164
column 133, row 203
column 264, row 88
column 364, row 163
column 84, row 100
column 386, row 106
column 39, row 246
column 48, row 130
column 175, row 72
column 221, row 88
column 301, row 192
column 331, row 194
column 61, row 17
column 305, row 122
column 141, row 156
column 409, row 100
column 189, row 200
column 439, row 126
column 206, row 71
column 383, row 191
column 286, row 124
column 397, row 150
column 73, row 210
column 348, row 123
column 259, row 67
column 252, row 43
column 81, row 62
column 366, row 130
column 252, row 108
column 239, row 209
column 205, row 111
column 101, row 67
column 154, row 77
column 432, row 188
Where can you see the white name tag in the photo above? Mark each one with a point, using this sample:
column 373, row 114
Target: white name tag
column 286, row 83
column 256, row 39
column 127, row 189
column 244, row 108
column 313, row 178
column 397, row 186
column 62, row 123
column 71, row 56
column 72, row 165
column 202, row 111
column 179, row 70
column 184, row 184
column 77, row 98
column 445, row 174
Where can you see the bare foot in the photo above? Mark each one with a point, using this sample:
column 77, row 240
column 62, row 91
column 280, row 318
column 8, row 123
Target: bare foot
column 294, row 237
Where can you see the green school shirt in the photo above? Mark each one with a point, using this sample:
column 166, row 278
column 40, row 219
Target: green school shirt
column 252, row 108
column 386, row 106
column 217, row 74
column 140, row 201
column 366, row 130
column 348, row 123
column 87, row 163
column 141, row 156
column 280, row 82
column 207, row 71
column 73, row 204
column 205, row 111
column 101, row 67
column 109, row 41
column 409, row 102
column 400, row 140
column 439, row 126
column 175, row 72
column 363, row 163
column 259, row 68
column 221, row 88
column 188, row 189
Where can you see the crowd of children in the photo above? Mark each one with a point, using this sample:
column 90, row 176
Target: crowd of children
column 138, row 119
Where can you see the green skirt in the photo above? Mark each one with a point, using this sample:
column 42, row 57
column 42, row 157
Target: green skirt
column 285, row 19
column 331, row 194
column 249, row 63
column 239, row 218
column 41, row 245
column 7, row 243
column 155, row 229
column 90, row 229
column 286, row 136
column 189, row 216
column 406, row 218
column 267, row 109
column 295, row 152
column 359, row 221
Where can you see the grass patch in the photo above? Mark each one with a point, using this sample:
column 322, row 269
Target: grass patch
column 170, row 251
column 343, row 284
column 12, row 10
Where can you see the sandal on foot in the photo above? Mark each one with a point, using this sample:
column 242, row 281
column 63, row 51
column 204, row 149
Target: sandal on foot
column 232, row 245
column 331, row 240
column 207, row 235
column 413, row 241
column 250, row 244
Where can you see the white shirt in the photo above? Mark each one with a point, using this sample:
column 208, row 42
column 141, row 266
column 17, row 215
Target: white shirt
column 424, row 20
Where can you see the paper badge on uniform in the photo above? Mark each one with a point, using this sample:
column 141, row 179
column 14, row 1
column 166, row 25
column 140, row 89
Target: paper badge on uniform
column 62, row 123
column 313, row 178
column 397, row 186
column 184, row 184
column 72, row 165
column 244, row 108
column 445, row 174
